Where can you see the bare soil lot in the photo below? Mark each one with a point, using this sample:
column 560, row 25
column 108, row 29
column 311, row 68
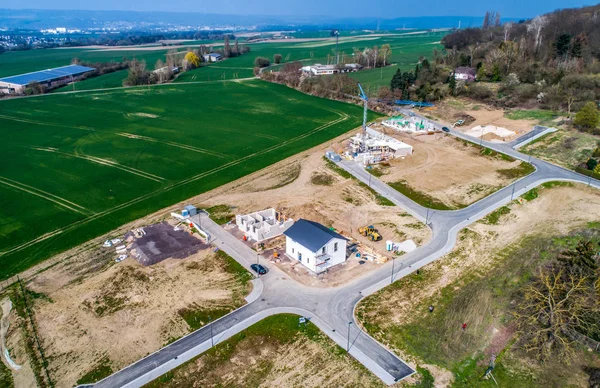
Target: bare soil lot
column 450, row 171
column 450, row 110
column 139, row 308
column 480, row 248
column 319, row 194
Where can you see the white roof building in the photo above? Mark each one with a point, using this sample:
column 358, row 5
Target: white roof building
column 374, row 147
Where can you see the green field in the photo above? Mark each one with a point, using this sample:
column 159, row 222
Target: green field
column 82, row 164
column 406, row 51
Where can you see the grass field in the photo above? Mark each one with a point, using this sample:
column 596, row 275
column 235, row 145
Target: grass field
column 82, row 164
column 406, row 51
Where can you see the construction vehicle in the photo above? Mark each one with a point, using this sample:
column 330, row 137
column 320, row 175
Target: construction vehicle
column 370, row 232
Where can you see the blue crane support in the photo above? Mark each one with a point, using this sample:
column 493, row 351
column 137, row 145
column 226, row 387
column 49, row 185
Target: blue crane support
column 363, row 96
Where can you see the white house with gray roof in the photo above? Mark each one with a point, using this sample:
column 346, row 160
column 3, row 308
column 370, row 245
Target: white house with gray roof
column 315, row 246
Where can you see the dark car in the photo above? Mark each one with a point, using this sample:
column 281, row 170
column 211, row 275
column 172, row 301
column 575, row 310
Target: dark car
column 259, row 269
column 445, row 129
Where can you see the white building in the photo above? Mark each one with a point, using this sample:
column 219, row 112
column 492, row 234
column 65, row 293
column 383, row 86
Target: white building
column 314, row 246
column 212, row 57
column 263, row 225
column 374, row 147
column 318, row 69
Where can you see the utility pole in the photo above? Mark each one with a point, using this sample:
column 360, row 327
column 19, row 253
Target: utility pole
column 348, row 344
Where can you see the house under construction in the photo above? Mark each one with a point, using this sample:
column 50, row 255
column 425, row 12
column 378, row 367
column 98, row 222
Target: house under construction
column 263, row 225
column 371, row 147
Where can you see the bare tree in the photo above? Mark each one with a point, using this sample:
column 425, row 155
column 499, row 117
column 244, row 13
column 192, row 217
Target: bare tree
column 535, row 27
column 507, row 27
column 555, row 303
column 497, row 22
column 385, row 51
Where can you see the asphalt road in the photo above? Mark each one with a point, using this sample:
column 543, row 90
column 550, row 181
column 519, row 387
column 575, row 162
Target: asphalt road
column 332, row 309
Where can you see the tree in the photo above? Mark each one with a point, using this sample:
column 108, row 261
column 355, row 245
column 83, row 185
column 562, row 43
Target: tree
column 591, row 164
column 384, row 94
column 277, row 58
column 562, row 45
column 137, row 74
column 385, row 51
column 555, row 303
column 452, row 84
column 583, row 258
column 507, row 29
column 486, row 20
column 261, row 62
column 497, row 22
column 577, row 45
column 34, row 88
column 236, row 47
column 480, row 73
column 535, row 27
column 226, row 47
column 588, row 116
column 192, row 59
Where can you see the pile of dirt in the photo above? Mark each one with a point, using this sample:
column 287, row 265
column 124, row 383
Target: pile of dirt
column 468, row 119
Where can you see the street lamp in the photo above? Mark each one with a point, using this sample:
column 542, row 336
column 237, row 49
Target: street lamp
column 393, row 262
column 348, row 345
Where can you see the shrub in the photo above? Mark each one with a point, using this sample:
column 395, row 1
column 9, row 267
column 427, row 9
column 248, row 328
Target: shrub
column 261, row 62
column 588, row 116
column 277, row 58
column 592, row 164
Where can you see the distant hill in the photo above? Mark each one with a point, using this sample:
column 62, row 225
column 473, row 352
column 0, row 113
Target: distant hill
column 77, row 19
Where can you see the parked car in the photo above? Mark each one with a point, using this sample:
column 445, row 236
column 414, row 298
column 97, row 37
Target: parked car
column 445, row 129
column 259, row 269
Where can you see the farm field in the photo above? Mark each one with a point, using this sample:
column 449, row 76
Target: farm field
column 19, row 62
column 110, row 80
column 406, row 51
column 84, row 163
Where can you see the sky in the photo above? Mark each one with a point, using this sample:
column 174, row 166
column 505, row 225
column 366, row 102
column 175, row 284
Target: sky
column 339, row 8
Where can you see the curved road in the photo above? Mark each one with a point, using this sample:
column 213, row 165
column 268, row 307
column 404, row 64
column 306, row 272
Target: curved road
column 332, row 309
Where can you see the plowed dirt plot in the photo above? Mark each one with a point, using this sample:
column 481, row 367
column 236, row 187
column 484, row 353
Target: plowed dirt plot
column 448, row 173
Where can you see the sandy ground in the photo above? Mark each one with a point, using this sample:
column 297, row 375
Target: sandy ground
column 432, row 168
column 477, row 248
column 138, row 305
column 484, row 115
column 343, row 205
column 15, row 343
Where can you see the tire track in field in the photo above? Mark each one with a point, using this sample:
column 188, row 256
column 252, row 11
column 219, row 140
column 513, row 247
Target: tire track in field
column 5, row 117
column 104, row 162
column 45, row 195
column 172, row 143
column 343, row 117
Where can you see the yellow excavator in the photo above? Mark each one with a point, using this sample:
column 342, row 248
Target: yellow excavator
column 370, row 232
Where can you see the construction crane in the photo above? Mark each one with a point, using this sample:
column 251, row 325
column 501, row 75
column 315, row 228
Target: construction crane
column 363, row 96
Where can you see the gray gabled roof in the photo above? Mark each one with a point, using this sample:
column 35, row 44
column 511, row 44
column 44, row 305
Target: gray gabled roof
column 311, row 235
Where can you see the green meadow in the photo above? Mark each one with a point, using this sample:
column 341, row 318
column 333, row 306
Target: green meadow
column 406, row 50
column 81, row 164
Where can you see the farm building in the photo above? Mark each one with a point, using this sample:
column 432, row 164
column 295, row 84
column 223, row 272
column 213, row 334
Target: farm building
column 212, row 57
column 263, row 225
column 315, row 246
column 465, row 74
column 318, row 69
column 50, row 78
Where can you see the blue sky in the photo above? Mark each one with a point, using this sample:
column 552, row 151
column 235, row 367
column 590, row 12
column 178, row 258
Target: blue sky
column 341, row 8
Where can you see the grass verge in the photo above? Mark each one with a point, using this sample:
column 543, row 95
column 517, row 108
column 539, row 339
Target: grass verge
column 221, row 214
column 421, row 198
column 102, row 370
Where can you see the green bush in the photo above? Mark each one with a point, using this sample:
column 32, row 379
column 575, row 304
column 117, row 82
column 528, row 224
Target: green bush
column 588, row 116
column 591, row 164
